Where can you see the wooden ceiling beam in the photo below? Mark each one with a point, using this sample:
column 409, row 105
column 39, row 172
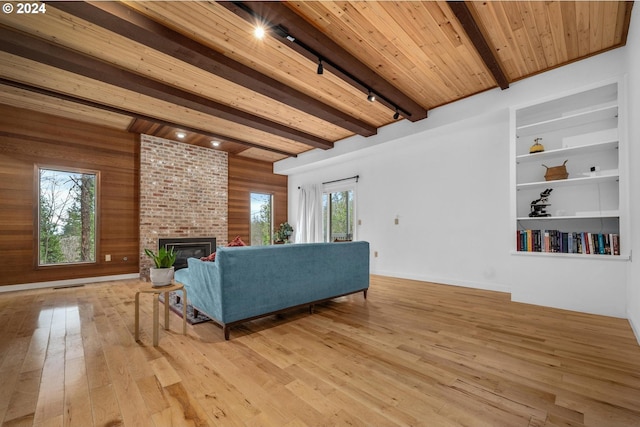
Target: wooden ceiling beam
column 128, row 23
column 313, row 44
column 471, row 27
column 136, row 115
column 56, row 56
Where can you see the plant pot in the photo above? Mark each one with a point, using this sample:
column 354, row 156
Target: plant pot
column 161, row 276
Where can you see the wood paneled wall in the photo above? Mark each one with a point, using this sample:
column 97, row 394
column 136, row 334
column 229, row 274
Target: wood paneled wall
column 28, row 138
column 247, row 176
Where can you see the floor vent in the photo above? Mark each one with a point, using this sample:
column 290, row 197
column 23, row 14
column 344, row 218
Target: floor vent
column 69, row 286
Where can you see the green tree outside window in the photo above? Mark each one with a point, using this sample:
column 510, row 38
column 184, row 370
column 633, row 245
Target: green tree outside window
column 67, row 216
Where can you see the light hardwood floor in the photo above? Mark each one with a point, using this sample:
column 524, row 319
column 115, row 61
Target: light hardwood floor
column 413, row 353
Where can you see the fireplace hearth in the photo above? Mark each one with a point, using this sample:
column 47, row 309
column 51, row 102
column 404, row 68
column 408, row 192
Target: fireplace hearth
column 188, row 247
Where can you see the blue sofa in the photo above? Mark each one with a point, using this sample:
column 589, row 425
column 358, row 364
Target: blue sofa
column 249, row 282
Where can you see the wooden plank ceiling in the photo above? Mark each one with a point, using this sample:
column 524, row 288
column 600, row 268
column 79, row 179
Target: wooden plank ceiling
column 162, row 67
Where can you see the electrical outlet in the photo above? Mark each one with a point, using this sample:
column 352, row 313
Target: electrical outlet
column 396, row 221
column 375, row 254
column 107, row 258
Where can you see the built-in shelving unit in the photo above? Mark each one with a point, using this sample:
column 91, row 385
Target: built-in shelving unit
column 589, row 207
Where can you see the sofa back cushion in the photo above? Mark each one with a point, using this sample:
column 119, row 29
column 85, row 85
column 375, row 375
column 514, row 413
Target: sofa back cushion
column 260, row 279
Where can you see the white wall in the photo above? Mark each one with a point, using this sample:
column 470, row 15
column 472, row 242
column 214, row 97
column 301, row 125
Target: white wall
column 633, row 54
column 447, row 179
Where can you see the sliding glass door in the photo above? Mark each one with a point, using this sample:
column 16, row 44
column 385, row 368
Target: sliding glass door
column 338, row 215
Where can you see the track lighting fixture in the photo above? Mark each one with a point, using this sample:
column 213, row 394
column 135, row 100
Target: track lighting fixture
column 269, row 28
column 371, row 97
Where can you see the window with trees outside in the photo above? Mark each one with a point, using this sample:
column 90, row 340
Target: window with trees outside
column 66, row 216
column 261, row 219
column 338, row 213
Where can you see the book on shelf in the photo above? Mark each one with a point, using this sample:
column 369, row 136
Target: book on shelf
column 574, row 242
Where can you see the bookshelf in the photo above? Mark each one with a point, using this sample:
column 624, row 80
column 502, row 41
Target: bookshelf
column 589, row 207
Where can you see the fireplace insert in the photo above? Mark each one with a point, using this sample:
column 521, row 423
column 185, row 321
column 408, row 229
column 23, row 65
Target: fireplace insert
column 188, row 247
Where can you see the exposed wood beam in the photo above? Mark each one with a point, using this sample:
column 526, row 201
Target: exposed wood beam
column 121, row 20
column 312, row 43
column 133, row 114
column 56, row 56
column 628, row 6
column 471, row 27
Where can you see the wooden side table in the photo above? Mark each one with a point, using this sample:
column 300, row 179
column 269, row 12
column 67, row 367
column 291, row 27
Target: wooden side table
column 156, row 291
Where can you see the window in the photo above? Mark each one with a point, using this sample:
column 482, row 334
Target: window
column 338, row 213
column 261, row 219
column 66, row 216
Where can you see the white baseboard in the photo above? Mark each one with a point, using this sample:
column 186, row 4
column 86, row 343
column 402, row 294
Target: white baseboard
column 635, row 325
column 447, row 281
column 67, row 283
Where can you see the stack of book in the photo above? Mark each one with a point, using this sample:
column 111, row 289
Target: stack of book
column 568, row 242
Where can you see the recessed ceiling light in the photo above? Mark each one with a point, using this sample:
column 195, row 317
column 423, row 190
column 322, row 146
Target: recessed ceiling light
column 180, row 135
column 259, row 32
column 215, row 143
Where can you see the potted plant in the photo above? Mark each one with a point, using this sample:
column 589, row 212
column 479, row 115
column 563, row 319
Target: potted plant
column 282, row 234
column 162, row 273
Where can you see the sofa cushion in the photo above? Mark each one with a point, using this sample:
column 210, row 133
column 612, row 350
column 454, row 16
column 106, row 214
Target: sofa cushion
column 211, row 257
column 236, row 242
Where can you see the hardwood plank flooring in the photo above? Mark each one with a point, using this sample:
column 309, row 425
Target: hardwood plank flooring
column 412, row 354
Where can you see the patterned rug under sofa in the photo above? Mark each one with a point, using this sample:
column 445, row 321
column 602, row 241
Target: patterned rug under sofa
column 176, row 307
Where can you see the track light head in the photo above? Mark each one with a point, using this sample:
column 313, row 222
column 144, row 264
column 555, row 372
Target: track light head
column 282, row 32
column 320, row 66
column 396, row 116
column 371, row 97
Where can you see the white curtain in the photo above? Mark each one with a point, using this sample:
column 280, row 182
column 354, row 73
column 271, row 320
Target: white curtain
column 309, row 226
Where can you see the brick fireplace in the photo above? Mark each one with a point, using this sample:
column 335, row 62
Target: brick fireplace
column 183, row 194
